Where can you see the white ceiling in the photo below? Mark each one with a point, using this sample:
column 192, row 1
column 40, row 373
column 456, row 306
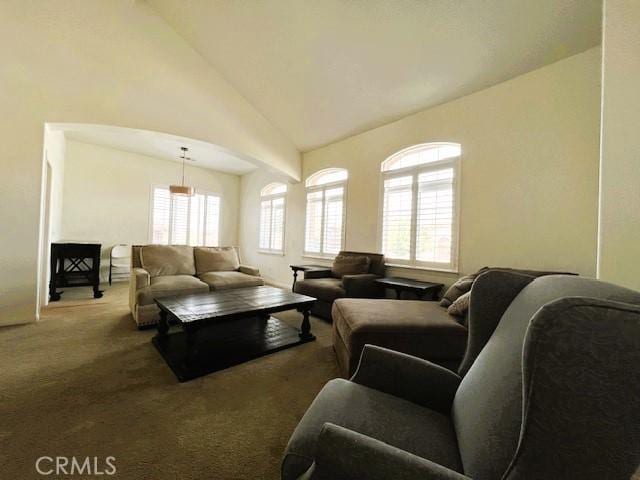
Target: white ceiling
column 324, row 70
column 158, row 145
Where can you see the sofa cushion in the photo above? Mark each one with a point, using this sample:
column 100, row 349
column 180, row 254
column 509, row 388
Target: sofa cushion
column 168, row 285
column 325, row 289
column 161, row 260
column 390, row 419
column 216, row 259
column 350, row 265
column 227, row 280
column 419, row 328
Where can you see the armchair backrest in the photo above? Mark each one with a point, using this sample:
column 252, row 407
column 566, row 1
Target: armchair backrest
column 377, row 261
column 488, row 406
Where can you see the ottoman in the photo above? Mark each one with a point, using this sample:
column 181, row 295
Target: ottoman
column 419, row 328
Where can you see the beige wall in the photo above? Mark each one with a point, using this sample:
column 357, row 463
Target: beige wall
column 529, row 175
column 112, row 62
column 107, row 195
column 619, row 246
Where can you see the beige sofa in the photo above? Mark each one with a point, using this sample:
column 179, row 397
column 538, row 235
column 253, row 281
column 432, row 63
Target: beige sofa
column 165, row 270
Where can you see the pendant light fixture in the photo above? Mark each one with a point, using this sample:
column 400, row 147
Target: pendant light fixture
column 182, row 189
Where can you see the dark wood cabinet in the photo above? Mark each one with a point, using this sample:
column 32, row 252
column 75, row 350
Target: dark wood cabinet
column 74, row 265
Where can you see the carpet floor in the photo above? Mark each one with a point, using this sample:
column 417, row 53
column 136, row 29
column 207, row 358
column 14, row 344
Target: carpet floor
column 85, row 382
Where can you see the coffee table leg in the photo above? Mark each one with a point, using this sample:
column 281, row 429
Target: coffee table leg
column 305, row 328
column 192, row 340
column 163, row 325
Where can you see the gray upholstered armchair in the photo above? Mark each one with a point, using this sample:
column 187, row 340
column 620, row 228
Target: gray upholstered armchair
column 328, row 285
column 548, row 389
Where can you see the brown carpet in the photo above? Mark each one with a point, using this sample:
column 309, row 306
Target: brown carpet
column 85, row 382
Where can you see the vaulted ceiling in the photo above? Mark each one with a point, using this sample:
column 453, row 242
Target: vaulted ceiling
column 321, row 70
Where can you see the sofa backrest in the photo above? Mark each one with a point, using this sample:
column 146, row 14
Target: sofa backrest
column 487, row 409
column 135, row 256
column 216, row 259
column 194, row 259
column 377, row 261
column 161, row 260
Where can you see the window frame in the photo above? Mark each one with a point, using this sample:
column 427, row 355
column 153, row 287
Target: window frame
column 197, row 191
column 415, row 171
column 271, row 197
column 323, row 187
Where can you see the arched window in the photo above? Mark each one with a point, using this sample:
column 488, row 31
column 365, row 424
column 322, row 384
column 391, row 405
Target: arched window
column 324, row 224
column 272, row 218
column 420, row 206
column 328, row 175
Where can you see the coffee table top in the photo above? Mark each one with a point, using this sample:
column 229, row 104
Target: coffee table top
column 227, row 304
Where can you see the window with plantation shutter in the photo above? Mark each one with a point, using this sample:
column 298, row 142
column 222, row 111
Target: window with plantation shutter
column 419, row 225
column 182, row 220
column 272, row 218
column 325, row 212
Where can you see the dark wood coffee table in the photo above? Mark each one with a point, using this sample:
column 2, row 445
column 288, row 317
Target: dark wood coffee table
column 224, row 328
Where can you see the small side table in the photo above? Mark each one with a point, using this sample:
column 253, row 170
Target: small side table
column 424, row 290
column 304, row 268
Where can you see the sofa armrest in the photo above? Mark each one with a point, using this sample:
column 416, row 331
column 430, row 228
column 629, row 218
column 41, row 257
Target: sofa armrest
column 317, row 273
column 249, row 270
column 362, row 286
column 408, row 377
column 348, row 455
column 140, row 278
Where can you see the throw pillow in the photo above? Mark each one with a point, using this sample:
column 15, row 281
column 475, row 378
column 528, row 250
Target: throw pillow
column 216, row 259
column 460, row 307
column 459, row 288
column 350, row 265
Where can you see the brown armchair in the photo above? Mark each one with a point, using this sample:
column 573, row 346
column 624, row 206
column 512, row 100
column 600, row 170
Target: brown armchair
column 326, row 286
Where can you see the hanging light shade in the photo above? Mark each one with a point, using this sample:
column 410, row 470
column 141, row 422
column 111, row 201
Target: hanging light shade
column 182, row 189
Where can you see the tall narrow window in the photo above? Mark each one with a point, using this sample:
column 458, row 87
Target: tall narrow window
column 420, row 206
column 325, row 213
column 179, row 220
column 272, row 218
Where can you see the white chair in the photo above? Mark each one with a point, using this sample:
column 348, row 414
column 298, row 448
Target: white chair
column 119, row 262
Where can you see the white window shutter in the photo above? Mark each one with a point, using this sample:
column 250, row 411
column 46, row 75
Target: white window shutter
column 435, row 217
column 333, row 224
column 196, row 220
column 396, row 217
column 277, row 224
column 178, row 220
column 313, row 227
column 212, row 221
column 161, row 215
column 265, row 224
